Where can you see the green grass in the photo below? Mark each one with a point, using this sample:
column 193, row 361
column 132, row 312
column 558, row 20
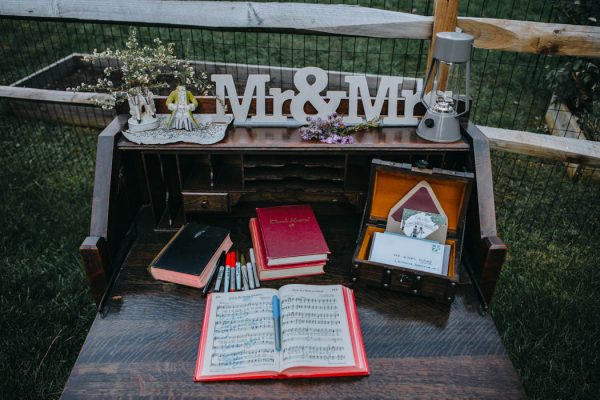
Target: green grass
column 548, row 296
column 45, row 306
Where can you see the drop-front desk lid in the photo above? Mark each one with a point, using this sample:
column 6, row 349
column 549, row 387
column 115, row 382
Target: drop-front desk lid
column 144, row 344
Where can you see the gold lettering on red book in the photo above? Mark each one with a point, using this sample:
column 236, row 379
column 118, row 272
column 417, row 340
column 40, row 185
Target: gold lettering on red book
column 291, row 222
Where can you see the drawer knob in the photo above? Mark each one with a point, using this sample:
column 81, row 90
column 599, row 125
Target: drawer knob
column 204, row 204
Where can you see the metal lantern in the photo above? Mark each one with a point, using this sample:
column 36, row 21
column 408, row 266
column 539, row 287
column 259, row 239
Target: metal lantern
column 448, row 79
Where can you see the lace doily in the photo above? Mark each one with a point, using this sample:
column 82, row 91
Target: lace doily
column 210, row 132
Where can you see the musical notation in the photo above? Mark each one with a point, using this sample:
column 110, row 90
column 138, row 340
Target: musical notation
column 236, row 342
column 242, row 357
column 242, row 335
column 243, row 324
column 306, row 301
column 313, row 352
column 232, row 311
column 314, row 328
column 309, row 332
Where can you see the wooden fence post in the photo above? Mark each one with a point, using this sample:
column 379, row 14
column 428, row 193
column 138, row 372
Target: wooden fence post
column 445, row 13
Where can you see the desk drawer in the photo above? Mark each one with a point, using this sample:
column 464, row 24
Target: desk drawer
column 205, row 202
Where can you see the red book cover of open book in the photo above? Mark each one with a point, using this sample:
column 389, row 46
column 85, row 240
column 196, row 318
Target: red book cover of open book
column 291, row 235
column 320, row 335
column 279, row 272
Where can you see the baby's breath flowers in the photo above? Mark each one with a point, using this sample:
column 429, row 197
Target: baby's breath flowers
column 186, row 75
column 141, row 69
column 332, row 129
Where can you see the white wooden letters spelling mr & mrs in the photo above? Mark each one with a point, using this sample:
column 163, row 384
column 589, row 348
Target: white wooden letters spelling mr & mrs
column 389, row 88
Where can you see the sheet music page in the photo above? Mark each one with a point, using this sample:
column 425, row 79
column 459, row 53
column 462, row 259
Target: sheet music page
column 314, row 327
column 241, row 334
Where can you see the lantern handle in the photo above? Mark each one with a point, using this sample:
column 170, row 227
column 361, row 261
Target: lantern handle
column 432, row 67
column 467, row 89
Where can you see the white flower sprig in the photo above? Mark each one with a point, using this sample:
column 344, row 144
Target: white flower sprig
column 142, row 68
column 186, row 75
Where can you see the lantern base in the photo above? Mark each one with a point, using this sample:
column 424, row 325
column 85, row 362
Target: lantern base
column 437, row 127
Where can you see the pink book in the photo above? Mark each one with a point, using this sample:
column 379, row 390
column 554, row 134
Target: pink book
column 291, row 235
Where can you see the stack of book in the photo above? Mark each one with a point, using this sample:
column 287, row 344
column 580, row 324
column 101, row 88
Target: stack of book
column 288, row 242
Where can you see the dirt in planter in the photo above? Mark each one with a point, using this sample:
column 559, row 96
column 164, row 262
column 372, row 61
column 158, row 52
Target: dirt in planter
column 73, row 79
column 90, row 75
column 590, row 123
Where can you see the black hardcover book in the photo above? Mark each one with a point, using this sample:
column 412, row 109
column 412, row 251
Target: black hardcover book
column 190, row 256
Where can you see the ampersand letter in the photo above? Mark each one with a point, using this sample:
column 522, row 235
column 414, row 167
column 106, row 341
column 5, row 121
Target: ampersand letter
column 310, row 93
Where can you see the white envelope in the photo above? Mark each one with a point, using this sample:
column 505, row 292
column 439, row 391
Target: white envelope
column 406, row 252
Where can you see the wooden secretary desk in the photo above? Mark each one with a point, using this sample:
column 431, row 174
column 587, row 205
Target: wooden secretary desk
column 143, row 342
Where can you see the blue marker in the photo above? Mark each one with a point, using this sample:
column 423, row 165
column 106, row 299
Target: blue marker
column 277, row 322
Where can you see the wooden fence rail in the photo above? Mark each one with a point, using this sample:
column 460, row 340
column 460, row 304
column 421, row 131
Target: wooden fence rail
column 582, row 152
column 496, row 34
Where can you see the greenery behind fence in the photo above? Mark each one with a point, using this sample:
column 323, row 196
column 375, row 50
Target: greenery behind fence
column 548, row 296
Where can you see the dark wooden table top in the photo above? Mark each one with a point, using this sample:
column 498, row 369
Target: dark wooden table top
column 144, row 343
column 388, row 139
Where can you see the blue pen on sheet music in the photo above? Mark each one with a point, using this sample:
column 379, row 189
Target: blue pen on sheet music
column 277, row 322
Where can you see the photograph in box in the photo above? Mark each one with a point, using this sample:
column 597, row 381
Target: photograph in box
column 390, row 182
column 410, row 214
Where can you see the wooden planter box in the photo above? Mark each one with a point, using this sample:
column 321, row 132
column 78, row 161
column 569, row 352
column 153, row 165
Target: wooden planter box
column 561, row 122
column 66, row 72
column 72, row 71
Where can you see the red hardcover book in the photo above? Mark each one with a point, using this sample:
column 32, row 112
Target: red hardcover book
column 285, row 271
column 238, row 339
column 291, row 235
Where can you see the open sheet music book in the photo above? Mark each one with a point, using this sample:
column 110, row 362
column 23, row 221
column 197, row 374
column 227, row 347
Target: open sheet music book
column 320, row 335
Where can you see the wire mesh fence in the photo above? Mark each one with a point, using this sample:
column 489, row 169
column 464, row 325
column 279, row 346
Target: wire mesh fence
column 511, row 90
column 547, row 212
column 547, row 297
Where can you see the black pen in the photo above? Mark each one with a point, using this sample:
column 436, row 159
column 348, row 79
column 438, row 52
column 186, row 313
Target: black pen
column 213, row 274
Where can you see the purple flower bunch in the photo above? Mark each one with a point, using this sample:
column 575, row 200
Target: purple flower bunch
column 333, row 129
column 335, row 138
column 329, row 130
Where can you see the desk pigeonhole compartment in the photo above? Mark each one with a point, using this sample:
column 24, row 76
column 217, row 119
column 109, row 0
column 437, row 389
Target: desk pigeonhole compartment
column 389, row 183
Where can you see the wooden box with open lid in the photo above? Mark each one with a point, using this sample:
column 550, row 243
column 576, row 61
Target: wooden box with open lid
column 389, row 183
